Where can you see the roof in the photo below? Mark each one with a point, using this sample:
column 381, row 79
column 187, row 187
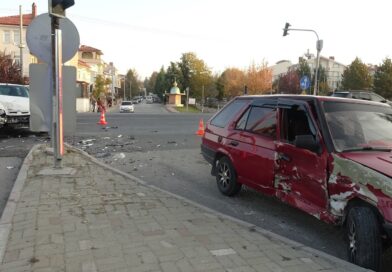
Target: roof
column 14, row 20
column 85, row 48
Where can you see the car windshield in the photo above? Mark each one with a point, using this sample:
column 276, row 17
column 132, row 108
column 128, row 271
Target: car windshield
column 126, row 103
column 359, row 126
column 14, row 90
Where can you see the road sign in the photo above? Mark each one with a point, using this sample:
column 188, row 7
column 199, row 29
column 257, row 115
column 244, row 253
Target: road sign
column 38, row 38
column 304, row 83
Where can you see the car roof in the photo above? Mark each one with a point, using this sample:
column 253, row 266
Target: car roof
column 312, row 98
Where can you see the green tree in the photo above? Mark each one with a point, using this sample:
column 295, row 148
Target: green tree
column 383, row 79
column 132, row 84
column 160, row 84
column 10, row 71
column 303, row 68
column 173, row 72
column 323, row 87
column 356, row 76
column 100, row 86
column 150, row 82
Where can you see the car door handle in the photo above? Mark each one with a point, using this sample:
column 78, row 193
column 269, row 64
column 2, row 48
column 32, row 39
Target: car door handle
column 283, row 157
column 233, row 143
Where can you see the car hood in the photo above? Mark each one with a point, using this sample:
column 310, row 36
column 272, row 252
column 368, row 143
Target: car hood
column 379, row 161
column 13, row 104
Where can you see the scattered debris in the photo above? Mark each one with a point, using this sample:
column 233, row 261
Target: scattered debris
column 10, row 167
column 102, row 155
column 119, row 156
column 159, row 145
column 171, row 142
column 119, row 136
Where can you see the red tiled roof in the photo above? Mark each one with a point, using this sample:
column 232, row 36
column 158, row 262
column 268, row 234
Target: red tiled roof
column 14, row 20
column 85, row 48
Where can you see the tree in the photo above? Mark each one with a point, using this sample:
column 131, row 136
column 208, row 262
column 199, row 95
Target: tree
column 289, row 83
column 150, row 82
column 383, row 79
column 323, row 87
column 356, row 76
column 132, row 83
column 233, row 81
column 303, row 68
column 100, row 86
column 160, row 83
column 259, row 78
column 10, row 70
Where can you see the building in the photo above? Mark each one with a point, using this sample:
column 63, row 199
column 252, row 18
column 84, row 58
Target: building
column 13, row 42
column 333, row 69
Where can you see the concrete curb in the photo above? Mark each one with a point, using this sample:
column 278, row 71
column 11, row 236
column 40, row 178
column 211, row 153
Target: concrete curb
column 10, row 207
column 270, row 235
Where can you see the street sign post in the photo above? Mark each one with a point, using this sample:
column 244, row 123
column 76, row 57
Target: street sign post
column 304, row 83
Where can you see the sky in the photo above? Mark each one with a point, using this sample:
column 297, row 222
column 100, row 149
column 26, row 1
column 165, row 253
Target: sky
column 147, row 34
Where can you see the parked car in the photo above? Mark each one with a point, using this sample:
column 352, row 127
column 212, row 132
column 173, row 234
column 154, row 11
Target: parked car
column 364, row 95
column 127, row 106
column 327, row 156
column 149, row 99
column 14, row 106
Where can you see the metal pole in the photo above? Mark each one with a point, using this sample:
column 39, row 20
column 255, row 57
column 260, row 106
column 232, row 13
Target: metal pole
column 187, row 98
column 124, row 88
column 202, row 99
column 21, row 45
column 315, row 91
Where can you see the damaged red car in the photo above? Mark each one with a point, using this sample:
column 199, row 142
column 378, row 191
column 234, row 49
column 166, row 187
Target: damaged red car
column 328, row 156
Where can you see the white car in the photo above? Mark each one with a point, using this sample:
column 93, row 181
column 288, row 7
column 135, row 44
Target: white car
column 14, row 106
column 127, row 106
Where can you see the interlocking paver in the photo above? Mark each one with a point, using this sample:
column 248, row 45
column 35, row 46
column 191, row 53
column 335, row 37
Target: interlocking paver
column 99, row 220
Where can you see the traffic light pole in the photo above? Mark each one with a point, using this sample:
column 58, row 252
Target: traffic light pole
column 319, row 46
column 57, row 108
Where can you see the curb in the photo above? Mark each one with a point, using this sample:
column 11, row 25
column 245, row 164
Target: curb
column 10, row 207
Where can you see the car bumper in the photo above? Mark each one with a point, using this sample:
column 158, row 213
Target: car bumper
column 126, row 110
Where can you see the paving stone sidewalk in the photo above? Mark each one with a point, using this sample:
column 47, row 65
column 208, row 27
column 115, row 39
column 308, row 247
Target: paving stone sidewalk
column 89, row 217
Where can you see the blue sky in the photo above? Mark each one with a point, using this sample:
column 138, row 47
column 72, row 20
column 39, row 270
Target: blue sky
column 147, row 34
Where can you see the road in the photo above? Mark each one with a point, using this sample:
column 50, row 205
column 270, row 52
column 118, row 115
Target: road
column 162, row 149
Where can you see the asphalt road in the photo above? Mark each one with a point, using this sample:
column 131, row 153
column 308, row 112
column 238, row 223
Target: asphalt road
column 162, row 149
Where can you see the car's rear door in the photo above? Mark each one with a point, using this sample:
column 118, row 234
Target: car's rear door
column 252, row 146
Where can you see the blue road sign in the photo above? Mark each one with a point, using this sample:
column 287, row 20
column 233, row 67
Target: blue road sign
column 304, row 83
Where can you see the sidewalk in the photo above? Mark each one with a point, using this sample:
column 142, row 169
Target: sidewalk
column 90, row 217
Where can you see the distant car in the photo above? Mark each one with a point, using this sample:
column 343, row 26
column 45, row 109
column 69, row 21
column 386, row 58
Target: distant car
column 14, row 106
column 127, row 106
column 364, row 95
column 149, row 99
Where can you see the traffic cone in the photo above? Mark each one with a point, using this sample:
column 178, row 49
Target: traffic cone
column 102, row 120
column 200, row 131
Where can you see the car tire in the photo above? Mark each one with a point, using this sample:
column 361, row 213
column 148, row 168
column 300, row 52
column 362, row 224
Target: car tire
column 226, row 177
column 364, row 244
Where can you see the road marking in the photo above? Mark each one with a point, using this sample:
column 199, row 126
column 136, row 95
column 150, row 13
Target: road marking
column 223, row 252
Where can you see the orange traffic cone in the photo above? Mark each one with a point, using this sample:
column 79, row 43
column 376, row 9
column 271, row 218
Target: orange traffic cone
column 200, row 131
column 102, row 120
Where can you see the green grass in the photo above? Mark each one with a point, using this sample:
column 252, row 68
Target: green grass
column 191, row 109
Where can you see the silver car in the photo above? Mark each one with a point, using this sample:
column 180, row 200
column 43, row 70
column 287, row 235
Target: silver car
column 127, row 106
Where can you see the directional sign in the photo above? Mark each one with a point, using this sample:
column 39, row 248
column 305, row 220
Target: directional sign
column 304, row 83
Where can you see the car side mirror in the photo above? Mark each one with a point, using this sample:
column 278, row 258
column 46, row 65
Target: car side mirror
column 308, row 142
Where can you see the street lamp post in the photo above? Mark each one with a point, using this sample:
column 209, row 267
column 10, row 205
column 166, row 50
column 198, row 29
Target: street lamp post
column 319, row 47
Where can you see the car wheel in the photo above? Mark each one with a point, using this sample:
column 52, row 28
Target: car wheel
column 364, row 242
column 226, row 177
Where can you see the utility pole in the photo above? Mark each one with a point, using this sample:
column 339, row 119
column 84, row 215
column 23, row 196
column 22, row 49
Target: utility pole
column 21, row 45
column 124, row 87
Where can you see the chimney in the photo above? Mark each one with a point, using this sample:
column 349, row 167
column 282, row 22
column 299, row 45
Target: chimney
column 34, row 10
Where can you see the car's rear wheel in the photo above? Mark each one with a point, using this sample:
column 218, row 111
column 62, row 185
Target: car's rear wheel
column 226, row 177
column 364, row 244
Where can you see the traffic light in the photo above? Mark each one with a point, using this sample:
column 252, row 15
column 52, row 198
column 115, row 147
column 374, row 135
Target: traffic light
column 286, row 29
column 58, row 7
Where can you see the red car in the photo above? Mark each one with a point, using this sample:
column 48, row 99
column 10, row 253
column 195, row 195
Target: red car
column 330, row 157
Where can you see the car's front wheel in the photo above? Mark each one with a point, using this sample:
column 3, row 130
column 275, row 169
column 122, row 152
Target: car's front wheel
column 226, row 177
column 364, row 238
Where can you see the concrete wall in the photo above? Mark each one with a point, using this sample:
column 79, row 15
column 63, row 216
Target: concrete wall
column 82, row 104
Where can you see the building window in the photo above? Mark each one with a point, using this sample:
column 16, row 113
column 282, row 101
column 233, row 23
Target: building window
column 7, row 36
column 17, row 37
column 87, row 55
